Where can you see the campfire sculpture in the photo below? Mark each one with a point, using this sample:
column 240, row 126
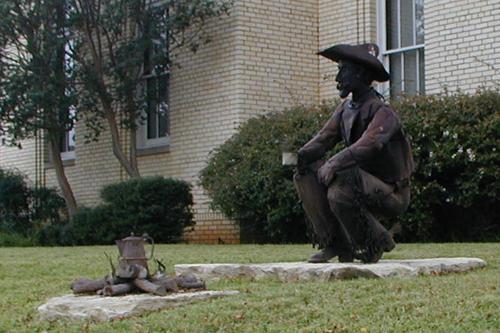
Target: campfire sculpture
column 133, row 274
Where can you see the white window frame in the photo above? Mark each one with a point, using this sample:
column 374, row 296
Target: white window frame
column 142, row 140
column 384, row 87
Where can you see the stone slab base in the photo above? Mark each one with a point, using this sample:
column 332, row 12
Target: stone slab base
column 301, row 271
column 99, row 308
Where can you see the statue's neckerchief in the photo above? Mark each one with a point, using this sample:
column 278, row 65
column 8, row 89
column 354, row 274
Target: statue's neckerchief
column 356, row 105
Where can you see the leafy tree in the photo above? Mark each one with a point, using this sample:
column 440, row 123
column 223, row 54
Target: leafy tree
column 57, row 55
column 117, row 42
column 37, row 87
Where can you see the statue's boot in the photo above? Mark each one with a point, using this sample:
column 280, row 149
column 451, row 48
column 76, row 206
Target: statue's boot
column 381, row 240
column 328, row 253
column 378, row 239
column 381, row 237
column 369, row 237
column 323, row 256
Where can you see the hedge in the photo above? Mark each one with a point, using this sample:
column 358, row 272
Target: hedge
column 23, row 209
column 161, row 207
column 14, row 202
column 246, row 181
column 158, row 206
column 455, row 187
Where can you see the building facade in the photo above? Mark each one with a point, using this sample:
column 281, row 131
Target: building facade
column 263, row 58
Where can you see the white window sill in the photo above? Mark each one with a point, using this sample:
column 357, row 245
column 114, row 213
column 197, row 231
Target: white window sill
column 153, row 146
column 65, row 162
column 69, row 155
column 145, row 151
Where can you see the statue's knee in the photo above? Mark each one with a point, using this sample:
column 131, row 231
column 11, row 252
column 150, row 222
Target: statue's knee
column 340, row 192
column 335, row 194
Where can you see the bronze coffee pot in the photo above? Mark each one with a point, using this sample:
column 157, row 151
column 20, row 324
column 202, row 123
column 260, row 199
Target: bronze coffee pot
column 132, row 250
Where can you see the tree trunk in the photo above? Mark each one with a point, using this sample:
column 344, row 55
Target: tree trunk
column 130, row 168
column 133, row 148
column 97, row 54
column 67, row 192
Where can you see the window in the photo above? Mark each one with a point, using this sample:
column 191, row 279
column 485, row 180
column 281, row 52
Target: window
column 68, row 139
column 401, row 40
column 154, row 131
column 156, row 128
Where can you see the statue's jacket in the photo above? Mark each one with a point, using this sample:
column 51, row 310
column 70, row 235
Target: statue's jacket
column 374, row 137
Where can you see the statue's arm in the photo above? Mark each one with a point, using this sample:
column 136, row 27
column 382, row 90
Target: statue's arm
column 324, row 140
column 384, row 124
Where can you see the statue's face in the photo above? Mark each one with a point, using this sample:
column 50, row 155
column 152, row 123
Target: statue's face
column 349, row 78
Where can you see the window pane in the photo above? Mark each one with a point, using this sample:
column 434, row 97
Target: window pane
column 71, row 140
column 162, row 120
column 419, row 20
column 410, row 72
column 421, row 70
column 71, row 133
column 163, row 88
column 392, row 24
column 407, row 24
column 152, row 106
column 68, row 141
column 395, row 71
column 147, row 62
column 68, row 138
column 163, row 106
column 152, row 122
column 64, row 143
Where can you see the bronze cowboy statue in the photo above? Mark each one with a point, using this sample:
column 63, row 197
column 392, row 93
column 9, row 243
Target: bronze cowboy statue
column 370, row 177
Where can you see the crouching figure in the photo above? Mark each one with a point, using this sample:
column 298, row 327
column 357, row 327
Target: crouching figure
column 370, row 177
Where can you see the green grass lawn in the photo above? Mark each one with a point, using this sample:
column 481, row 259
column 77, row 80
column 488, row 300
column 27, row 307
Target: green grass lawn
column 467, row 302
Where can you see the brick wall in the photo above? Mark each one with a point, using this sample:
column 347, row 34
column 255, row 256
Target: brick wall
column 276, row 44
column 462, row 44
column 20, row 159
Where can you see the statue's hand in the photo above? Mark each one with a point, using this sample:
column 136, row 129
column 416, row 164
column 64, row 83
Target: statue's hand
column 301, row 162
column 326, row 174
column 301, row 155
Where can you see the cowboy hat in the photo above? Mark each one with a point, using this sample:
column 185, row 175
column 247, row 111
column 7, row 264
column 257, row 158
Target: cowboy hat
column 364, row 55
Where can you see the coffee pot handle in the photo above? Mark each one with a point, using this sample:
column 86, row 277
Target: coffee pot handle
column 151, row 240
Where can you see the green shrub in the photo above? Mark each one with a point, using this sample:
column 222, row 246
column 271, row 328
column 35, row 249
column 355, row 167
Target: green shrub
column 455, row 188
column 15, row 239
column 24, row 211
column 154, row 205
column 246, row 181
column 456, row 185
column 46, row 205
column 91, row 226
column 51, row 234
column 14, row 202
column 161, row 207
